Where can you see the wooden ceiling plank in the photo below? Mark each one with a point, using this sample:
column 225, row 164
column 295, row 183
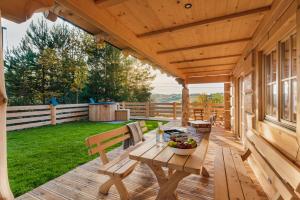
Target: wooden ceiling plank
column 214, row 65
column 103, row 20
column 206, row 69
column 205, row 45
column 201, row 59
column 205, row 73
column 208, row 79
column 108, row 3
column 238, row 15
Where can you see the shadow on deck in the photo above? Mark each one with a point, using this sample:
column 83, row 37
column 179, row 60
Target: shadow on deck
column 83, row 182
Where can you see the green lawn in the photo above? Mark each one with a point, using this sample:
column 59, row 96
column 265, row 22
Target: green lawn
column 38, row 155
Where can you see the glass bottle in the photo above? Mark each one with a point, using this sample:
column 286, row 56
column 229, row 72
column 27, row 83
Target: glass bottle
column 159, row 134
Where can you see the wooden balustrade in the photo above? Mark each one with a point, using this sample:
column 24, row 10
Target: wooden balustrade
column 171, row 110
column 21, row 117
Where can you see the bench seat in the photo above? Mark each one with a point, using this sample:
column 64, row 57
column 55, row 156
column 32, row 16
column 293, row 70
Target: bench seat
column 231, row 179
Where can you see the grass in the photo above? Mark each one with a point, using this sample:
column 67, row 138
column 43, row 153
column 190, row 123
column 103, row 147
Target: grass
column 38, row 155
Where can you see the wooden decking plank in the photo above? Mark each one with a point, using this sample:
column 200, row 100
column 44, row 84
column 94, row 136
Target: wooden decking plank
column 27, row 196
column 221, row 187
column 41, row 193
column 246, row 183
column 234, row 187
column 65, row 191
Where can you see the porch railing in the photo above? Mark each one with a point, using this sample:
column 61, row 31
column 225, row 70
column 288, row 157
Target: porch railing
column 171, row 110
column 22, row 117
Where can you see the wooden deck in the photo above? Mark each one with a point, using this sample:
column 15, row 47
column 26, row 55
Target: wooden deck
column 83, row 182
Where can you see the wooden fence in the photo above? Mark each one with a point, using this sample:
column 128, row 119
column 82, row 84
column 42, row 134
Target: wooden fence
column 22, row 117
column 171, row 110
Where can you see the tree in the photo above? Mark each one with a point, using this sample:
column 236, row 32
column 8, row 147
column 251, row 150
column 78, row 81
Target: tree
column 115, row 77
column 69, row 64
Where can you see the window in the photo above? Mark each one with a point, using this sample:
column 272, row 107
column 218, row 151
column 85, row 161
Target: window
column 271, row 84
column 281, row 74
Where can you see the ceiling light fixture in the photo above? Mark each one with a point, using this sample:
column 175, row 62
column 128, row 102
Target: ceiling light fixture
column 188, row 5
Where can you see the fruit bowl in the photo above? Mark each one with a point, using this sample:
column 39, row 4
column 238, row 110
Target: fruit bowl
column 183, row 152
column 182, row 145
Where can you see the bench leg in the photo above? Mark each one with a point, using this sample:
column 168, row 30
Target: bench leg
column 104, row 188
column 168, row 189
column 246, row 155
column 204, row 172
column 121, row 189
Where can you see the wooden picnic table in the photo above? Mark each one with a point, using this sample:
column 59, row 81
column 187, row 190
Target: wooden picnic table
column 159, row 156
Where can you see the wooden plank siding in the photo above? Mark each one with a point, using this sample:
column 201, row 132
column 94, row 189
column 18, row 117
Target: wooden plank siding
column 22, row 117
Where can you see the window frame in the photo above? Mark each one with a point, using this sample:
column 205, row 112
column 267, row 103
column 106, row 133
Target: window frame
column 280, row 62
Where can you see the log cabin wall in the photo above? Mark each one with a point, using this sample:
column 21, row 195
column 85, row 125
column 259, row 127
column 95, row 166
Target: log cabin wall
column 276, row 43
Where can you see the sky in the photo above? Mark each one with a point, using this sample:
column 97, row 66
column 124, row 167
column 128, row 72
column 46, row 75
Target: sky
column 161, row 85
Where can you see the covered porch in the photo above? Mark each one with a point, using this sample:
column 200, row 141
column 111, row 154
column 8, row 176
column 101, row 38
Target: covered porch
column 84, row 181
column 252, row 46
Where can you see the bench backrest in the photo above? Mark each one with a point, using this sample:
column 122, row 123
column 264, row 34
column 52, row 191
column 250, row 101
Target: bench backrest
column 282, row 174
column 98, row 143
column 143, row 126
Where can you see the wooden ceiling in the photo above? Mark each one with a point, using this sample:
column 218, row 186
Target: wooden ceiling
column 205, row 40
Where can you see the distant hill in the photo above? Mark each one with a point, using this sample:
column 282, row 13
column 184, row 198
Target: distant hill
column 168, row 98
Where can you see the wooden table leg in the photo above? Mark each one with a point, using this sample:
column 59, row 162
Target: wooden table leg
column 167, row 183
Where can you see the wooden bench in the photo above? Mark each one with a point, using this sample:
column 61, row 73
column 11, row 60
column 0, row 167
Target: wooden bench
column 231, row 179
column 118, row 168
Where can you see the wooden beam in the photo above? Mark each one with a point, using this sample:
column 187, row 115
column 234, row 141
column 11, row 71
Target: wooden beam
column 5, row 192
column 208, row 79
column 207, row 69
column 213, row 65
column 207, row 73
column 220, row 19
column 108, row 3
column 208, row 58
column 105, row 21
column 204, row 45
column 20, row 11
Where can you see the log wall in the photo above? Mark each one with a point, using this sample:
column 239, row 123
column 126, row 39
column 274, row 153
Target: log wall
column 275, row 148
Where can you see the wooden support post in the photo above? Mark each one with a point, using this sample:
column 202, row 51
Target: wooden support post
column 174, row 110
column 227, row 106
column 185, row 105
column 5, row 192
column 298, row 76
column 123, row 105
column 298, row 73
column 53, row 114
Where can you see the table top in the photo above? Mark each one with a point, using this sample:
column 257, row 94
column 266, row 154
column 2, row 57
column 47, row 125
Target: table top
column 163, row 156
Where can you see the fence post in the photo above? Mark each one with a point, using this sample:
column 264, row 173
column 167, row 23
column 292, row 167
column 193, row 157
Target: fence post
column 123, row 105
column 174, row 110
column 53, row 114
column 147, row 109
